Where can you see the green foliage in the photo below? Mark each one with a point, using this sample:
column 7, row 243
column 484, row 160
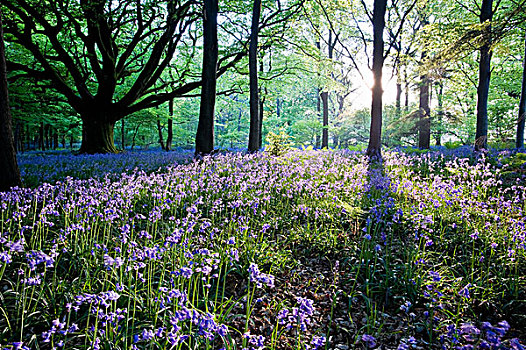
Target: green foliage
column 278, row 144
column 453, row 144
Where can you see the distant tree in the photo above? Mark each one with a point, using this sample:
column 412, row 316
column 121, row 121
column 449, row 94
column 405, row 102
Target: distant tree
column 522, row 105
column 481, row 136
column 9, row 173
column 375, row 133
column 254, row 135
column 331, row 43
column 204, row 139
column 170, row 136
column 424, row 112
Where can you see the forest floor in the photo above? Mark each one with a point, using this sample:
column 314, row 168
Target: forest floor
column 309, row 250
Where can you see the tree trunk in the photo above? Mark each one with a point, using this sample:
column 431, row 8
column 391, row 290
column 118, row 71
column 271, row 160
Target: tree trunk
column 41, row 137
column 134, row 136
column 160, row 131
column 325, row 100
column 204, row 139
column 398, row 102
column 55, row 139
column 318, row 115
column 325, row 120
column 239, row 115
column 253, row 136
column 261, row 114
column 481, row 136
column 522, row 105
column 406, row 86
column 49, row 139
column 375, row 132
column 170, row 135
column 424, row 125
column 440, row 113
column 10, row 174
column 97, row 134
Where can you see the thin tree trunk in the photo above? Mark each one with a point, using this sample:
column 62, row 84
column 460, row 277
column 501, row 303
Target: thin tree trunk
column 253, row 136
column 160, row 131
column 134, row 136
column 55, row 139
column 325, row 119
column 41, row 137
column 440, row 113
column 170, row 136
column 375, row 133
column 325, row 100
column 398, row 100
column 318, row 115
column 47, row 136
column 204, row 139
column 522, row 105
column 398, row 103
column 406, row 86
column 481, row 136
column 240, row 114
column 10, row 174
column 424, row 125
column 261, row 114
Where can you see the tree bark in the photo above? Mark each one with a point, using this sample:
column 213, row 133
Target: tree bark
column 204, row 139
column 97, row 134
column 325, row 119
column 10, row 174
column 522, row 105
column 398, row 101
column 261, row 114
column 375, row 132
column 325, row 100
column 481, row 136
column 406, row 86
column 253, row 136
column 160, row 131
column 41, row 137
column 440, row 113
column 424, row 125
column 55, row 139
column 170, row 135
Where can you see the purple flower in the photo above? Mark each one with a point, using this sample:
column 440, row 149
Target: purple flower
column 317, row 342
column 464, row 292
column 260, row 278
column 369, row 340
column 435, row 275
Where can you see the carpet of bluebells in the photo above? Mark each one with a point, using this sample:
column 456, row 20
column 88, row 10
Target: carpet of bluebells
column 309, row 250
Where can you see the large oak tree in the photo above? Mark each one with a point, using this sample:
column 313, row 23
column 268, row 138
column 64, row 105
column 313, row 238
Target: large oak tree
column 109, row 58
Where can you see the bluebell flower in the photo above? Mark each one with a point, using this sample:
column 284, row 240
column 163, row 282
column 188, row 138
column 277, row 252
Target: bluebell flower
column 369, row 340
